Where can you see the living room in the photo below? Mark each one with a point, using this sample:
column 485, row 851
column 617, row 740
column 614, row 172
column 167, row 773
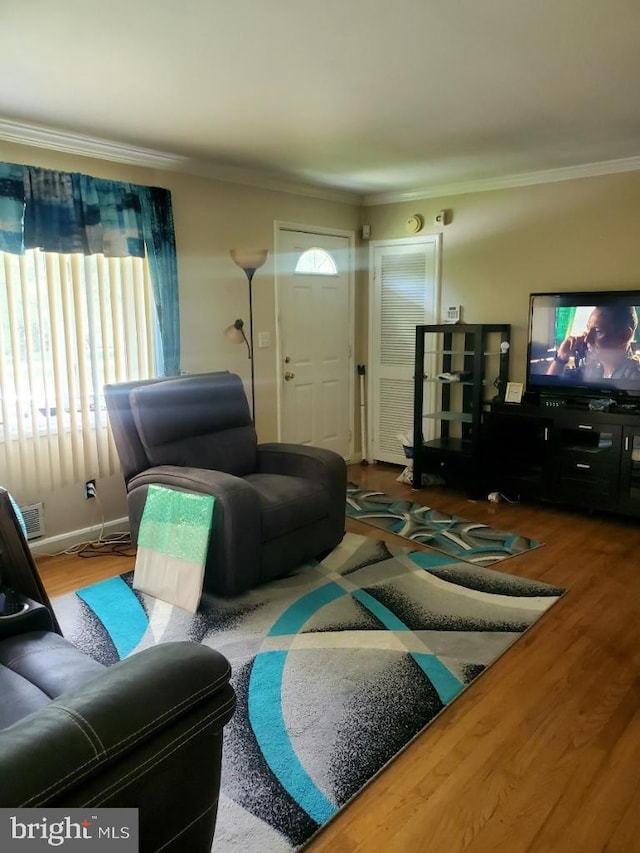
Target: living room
column 568, row 226
column 500, row 246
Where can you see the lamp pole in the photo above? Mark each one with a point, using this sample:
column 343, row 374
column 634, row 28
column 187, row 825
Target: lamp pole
column 250, row 260
column 250, row 272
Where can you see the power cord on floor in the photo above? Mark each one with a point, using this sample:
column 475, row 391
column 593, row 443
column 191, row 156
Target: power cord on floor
column 103, row 548
column 115, row 544
column 496, row 497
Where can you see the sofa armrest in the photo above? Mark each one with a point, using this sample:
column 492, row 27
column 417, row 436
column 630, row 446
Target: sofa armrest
column 132, row 737
column 36, row 618
column 233, row 558
column 313, row 463
column 302, row 460
column 85, row 731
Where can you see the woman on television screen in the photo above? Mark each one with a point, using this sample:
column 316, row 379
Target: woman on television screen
column 603, row 351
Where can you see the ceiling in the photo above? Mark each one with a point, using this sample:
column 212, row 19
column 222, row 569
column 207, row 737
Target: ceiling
column 381, row 100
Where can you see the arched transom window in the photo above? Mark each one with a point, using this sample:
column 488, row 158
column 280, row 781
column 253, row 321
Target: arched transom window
column 316, row 261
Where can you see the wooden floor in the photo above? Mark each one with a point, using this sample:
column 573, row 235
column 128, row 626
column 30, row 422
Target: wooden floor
column 542, row 752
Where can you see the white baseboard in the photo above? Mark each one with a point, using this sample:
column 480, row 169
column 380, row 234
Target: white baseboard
column 57, row 544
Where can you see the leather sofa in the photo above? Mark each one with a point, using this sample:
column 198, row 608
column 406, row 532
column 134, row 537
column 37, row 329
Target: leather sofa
column 276, row 504
column 144, row 733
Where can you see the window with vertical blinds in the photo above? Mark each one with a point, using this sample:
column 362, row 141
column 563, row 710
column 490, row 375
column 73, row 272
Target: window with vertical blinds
column 69, row 324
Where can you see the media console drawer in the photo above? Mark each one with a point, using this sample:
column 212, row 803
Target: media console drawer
column 586, row 485
column 567, row 456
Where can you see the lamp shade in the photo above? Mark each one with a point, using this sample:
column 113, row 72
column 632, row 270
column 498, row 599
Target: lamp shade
column 235, row 332
column 249, row 259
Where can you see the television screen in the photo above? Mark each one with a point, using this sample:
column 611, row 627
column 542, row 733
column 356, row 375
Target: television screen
column 585, row 343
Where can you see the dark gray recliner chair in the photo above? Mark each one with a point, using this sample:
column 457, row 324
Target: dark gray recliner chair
column 276, row 505
column 145, row 733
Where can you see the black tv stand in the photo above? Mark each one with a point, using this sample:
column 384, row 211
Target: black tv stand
column 554, row 402
column 625, row 408
column 567, row 454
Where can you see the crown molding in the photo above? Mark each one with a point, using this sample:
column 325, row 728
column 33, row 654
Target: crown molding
column 90, row 146
column 86, row 146
column 567, row 173
column 103, row 149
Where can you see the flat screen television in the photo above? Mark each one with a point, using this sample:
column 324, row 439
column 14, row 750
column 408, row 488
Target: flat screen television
column 584, row 344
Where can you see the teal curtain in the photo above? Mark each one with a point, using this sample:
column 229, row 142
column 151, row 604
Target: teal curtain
column 160, row 241
column 11, row 208
column 69, row 212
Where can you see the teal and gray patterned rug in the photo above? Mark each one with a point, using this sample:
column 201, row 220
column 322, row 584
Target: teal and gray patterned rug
column 337, row 668
column 466, row 540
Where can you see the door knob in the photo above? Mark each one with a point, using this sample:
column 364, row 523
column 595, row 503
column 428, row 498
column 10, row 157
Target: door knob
column 288, row 376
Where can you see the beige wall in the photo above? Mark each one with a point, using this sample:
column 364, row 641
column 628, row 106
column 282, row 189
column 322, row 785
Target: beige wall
column 499, row 247
column 503, row 245
column 210, row 218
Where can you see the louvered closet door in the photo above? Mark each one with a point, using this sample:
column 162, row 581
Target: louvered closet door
column 405, row 294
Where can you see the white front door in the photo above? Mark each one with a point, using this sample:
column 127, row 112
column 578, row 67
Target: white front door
column 314, row 287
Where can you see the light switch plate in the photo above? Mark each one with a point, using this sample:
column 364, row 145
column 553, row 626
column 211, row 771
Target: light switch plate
column 264, row 340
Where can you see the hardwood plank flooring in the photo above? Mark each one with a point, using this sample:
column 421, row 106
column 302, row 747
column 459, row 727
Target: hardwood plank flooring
column 541, row 753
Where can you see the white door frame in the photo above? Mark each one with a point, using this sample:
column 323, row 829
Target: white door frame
column 278, row 226
column 377, row 244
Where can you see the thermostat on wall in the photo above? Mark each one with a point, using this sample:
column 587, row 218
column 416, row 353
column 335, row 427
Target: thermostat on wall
column 452, row 314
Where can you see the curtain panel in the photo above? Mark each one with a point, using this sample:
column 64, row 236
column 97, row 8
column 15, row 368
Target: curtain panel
column 68, row 212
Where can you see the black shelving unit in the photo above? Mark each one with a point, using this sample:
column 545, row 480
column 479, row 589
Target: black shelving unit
column 455, row 408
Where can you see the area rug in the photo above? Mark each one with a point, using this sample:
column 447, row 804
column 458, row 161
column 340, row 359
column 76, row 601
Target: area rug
column 466, row 540
column 336, row 668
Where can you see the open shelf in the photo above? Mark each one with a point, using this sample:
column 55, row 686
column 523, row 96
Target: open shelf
column 448, row 415
column 461, row 417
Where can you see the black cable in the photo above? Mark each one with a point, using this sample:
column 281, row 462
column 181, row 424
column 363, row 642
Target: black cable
column 107, row 549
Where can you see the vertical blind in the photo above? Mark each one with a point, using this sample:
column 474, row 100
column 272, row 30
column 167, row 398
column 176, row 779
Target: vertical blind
column 405, row 295
column 69, row 324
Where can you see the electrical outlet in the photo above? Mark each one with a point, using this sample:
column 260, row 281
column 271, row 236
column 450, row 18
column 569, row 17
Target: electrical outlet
column 90, row 489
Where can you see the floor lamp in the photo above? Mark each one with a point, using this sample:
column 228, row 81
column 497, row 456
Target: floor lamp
column 249, row 260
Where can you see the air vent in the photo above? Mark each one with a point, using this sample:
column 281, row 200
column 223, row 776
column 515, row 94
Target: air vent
column 33, row 520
